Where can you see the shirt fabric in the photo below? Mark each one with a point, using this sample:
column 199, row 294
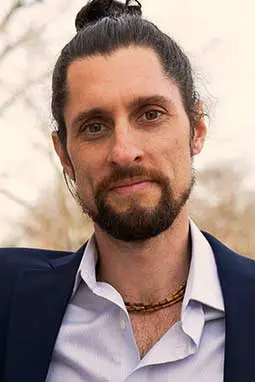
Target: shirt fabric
column 96, row 341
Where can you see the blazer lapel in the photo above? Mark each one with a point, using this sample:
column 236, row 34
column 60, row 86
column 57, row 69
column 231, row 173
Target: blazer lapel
column 237, row 278
column 37, row 308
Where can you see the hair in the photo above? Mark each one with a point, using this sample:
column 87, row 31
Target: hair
column 103, row 26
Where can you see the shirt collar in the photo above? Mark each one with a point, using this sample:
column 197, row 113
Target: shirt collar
column 203, row 283
column 87, row 268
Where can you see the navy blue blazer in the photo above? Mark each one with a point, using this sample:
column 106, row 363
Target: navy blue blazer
column 35, row 286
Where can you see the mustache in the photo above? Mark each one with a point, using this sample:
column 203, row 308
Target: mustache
column 129, row 173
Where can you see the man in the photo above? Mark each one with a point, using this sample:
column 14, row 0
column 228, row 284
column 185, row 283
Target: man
column 149, row 297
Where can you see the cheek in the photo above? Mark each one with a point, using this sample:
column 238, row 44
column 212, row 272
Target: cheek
column 175, row 162
column 183, row 154
column 88, row 172
column 172, row 150
column 87, row 162
column 82, row 169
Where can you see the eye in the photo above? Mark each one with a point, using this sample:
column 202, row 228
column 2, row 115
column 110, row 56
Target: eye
column 94, row 128
column 152, row 115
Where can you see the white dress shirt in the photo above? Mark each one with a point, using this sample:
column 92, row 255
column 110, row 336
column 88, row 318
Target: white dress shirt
column 96, row 341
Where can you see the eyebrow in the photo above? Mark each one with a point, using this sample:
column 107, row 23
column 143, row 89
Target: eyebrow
column 154, row 99
column 97, row 111
column 136, row 103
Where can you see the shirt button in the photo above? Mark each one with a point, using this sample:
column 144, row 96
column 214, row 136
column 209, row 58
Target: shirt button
column 122, row 324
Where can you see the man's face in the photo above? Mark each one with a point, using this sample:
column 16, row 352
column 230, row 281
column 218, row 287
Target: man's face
column 129, row 143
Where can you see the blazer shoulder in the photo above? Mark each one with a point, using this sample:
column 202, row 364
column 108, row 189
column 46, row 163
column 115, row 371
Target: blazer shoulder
column 19, row 258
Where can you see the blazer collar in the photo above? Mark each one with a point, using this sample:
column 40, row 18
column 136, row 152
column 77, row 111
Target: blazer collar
column 37, row 308
column 237, row 278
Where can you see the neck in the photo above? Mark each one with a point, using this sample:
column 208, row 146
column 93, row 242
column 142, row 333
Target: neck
column 146, row 271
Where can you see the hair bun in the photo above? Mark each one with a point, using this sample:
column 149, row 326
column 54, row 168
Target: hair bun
column 97, row 9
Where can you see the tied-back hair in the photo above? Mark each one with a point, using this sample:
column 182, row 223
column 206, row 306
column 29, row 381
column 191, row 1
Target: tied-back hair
column 103, row 26
column 98, row 9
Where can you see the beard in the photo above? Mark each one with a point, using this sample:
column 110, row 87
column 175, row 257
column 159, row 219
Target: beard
column 137, row 223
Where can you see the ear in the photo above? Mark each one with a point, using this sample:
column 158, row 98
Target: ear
column 199, row 133
column 63, row 155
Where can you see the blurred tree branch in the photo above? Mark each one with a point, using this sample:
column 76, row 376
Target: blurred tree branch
column 22, row 91
column 13, row 9
column 223, row 206
column 15, row 6
column 9, row 195
column 28, row 36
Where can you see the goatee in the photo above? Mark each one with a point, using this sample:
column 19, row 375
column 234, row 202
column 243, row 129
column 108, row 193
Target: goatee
column 137, row 223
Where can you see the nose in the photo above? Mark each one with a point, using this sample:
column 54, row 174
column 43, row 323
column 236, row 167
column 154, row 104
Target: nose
column 125, row 149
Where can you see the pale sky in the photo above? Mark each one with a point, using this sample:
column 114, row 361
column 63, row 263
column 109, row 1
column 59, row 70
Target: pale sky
column 217, row 35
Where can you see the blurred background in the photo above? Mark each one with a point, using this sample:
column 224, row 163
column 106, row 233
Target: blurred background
column 36, row 209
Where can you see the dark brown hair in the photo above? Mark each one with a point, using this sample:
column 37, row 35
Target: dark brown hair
column 103, row 26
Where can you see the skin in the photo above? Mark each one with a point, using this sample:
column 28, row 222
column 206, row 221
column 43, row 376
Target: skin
column 154, row 134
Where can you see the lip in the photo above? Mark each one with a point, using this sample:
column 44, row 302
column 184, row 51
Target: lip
column 129, row 182
column 131, row 185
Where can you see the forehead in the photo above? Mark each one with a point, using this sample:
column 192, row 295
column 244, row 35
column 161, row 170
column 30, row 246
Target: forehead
column 108, row 80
